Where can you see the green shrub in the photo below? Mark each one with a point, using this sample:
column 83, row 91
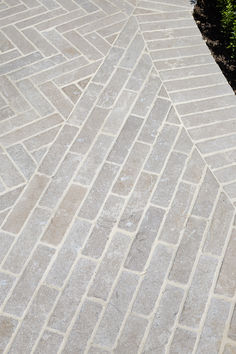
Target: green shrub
column 227, row 12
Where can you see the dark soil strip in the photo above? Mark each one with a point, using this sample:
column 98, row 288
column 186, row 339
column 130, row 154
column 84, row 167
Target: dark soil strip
column 208, row 23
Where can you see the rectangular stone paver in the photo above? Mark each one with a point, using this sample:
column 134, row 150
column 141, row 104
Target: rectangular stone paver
column 94, row 159
column 97, row 194
column 183, row 341
column 206, row 196
column 109, row 267
column 153, row 280
column 125, row 139
column 71, row 295
column 199, row 291
column 29, row 280
column 187, row 250
column 68, row 253
column 132, row 334
column 7, row 328
column 117, row 181
column 219, row 227
column 6, row 282
column 24, row 206
column 137, row 202
column 177, row 214
column 83, row 327
column 26, row 240
column 130, row 170
column 144, row 239
column 64, row 215
column 163, row 320
column 34, row 320
column 102, row 230
column 169, row 179
column 57, row 150
column 154, row 120
column 226, row 283
column 109, row 326
column 161, row 149
column 216, row 318
column 49, row 341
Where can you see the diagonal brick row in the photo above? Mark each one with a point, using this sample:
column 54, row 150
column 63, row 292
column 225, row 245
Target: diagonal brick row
column 117, row 181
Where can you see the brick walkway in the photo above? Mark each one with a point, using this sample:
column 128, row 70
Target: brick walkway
column 117, row 181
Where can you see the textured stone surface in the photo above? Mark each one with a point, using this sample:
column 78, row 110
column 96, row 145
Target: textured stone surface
column 117, row 181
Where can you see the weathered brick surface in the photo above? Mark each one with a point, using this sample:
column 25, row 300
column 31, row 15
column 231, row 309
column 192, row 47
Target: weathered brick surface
column 102, row 230
column 215, row 322
column 68, row 253
column 199, row 291
column 83, row 327
column 137, row 202
column 226, row 283
column 144, row 239
column 48, row 342
column 187, row 250
column 169, row 179
column 25, row 205
column 183, row 341
column 34, row 320
column 164, row 319
column 153, row 280
column 108, row 270
column 71, row 295
column 64, row 215
column 117, row 181
column 114, row 315
column 26, row 285
column 132, row 334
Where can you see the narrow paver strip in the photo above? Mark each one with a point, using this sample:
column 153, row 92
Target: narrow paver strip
column 117, row 181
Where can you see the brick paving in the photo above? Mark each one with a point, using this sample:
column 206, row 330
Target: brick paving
column 117, row 181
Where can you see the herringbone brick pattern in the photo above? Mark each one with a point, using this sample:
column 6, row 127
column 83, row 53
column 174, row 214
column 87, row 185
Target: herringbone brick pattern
column 117, row 181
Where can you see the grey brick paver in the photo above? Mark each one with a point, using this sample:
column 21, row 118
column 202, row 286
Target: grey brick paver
column 178, row 213
column 187, row 250
column 161, row 148
column 26, row 241
column 153, row 280
column 144, row 239
column 125, row 139
column 119, row 112
column 137, row 202
column 25, row 204
column 34, row 320
column 129, row 172
column 71, row 295
column 7, row 328
column 108, row 270
column 7, row 282
column 183, row 342
column 49, row 342
column 101, row 232
column 169, row 179
column 226, row 283
column 131, row 336
column 112, row 319
column 5, row 244
column 68, row 253
column 27, row 284
column 199, row 291
column 64, row 215
column 163, row 320
column 215, row 322
column 154, row 120
column 83, row 327
column 117, row 181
